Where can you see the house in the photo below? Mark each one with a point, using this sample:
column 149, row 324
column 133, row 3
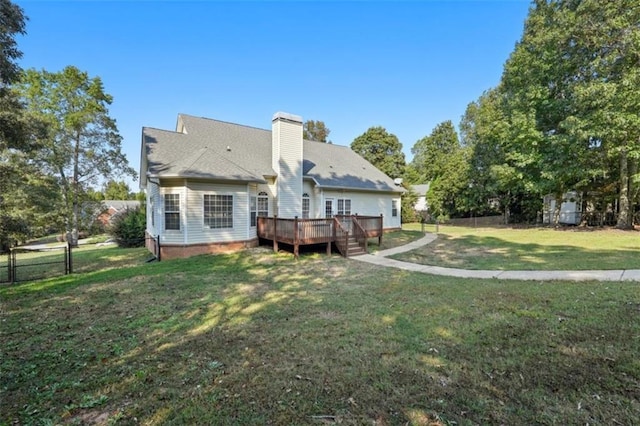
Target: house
column 421, row 203
column 208, row 182
column 110, row 208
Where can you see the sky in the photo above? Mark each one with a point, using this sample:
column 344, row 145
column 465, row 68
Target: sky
column 404, row 65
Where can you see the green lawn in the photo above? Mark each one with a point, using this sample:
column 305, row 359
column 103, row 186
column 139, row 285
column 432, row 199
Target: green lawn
column 505, row 248
column 260, row 338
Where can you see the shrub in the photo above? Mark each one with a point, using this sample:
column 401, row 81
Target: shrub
column 128, row 227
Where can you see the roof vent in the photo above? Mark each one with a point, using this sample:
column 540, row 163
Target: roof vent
column 228, row 148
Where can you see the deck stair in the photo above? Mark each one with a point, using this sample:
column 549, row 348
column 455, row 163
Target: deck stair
column 354, row 248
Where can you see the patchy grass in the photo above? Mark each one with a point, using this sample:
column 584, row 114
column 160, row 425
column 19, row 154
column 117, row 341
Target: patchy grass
column 259, row 338
column 394, row 239
column 505, row 248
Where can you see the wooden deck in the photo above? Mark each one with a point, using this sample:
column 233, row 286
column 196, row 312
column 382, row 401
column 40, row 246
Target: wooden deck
column 349, row 233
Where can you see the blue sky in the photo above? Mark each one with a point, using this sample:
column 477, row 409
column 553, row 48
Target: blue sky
column 403, row 65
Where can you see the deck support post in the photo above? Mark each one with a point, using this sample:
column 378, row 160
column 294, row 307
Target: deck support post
column 296, row 238
column 275, row 233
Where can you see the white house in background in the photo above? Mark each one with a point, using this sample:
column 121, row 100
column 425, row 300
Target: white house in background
column 208, row 181
column 570, row 209
column 421, row 203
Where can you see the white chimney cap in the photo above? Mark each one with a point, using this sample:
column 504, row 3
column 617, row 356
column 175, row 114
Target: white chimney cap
column 286, row 116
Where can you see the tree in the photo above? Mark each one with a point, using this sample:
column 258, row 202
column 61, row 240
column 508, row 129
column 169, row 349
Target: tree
column 441, row 160
column 431, row 153
column 382, row 149
column 117, row 190
column 316, row 131
column 497, row 170
column 83, row 143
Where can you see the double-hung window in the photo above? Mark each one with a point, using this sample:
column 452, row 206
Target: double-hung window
column 394, row 208
column 171, row 212
column 218, row 211
column 344, row 207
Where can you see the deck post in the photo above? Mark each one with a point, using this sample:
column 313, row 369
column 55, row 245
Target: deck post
column 275, row 233
column 296, row 238
column 381, row 230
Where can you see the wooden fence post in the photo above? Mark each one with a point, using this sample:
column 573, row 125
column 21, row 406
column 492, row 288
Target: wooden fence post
column 296, row 238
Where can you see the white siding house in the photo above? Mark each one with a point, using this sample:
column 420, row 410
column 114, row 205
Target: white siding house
column 207, row 182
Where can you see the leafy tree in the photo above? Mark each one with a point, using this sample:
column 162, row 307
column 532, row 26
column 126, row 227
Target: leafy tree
column 83, row 143
column 316, row 131
column 382, row 149
column 497, row 170
column 431, row 153
column 117, row 190
column 408, row 202
column 441, row 160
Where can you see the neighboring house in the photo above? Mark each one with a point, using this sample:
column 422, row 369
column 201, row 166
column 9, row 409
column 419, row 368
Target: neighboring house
column 421, row 203
column 208, row 181
column 570, row 209
column 109, row 208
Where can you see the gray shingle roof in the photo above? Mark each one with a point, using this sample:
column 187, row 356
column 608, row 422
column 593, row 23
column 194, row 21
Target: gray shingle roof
column 213, row 149
column 420, row 189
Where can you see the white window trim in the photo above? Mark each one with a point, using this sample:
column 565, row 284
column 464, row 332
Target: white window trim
column 233, row 210
column 180, row 210
column 262, row 195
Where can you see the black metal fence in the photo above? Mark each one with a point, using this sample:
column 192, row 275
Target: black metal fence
column 35, row 263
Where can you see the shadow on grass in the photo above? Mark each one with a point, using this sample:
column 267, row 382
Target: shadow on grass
column 257, row 338
column 491, row 253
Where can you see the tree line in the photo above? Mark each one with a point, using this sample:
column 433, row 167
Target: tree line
column 564, row 117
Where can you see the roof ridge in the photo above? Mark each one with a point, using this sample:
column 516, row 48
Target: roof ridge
column 223, row 121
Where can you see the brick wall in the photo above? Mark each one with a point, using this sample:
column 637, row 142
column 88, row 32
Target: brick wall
column 182, row 251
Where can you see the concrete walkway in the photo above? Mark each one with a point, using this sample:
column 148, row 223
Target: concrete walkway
column 380, row 258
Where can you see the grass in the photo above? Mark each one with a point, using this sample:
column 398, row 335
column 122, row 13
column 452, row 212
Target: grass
column 259, row 338
column 506, row 248
column 41, row 264
column 394, row 239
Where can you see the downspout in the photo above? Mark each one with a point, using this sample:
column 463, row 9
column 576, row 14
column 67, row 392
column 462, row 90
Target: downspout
column 185, row 234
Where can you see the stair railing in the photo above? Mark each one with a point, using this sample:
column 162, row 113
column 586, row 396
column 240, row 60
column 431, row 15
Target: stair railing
column 341, row 237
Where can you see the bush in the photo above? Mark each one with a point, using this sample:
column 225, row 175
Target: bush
column 128, row 227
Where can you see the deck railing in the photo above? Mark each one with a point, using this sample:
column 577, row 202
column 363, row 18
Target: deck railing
column 336, row 230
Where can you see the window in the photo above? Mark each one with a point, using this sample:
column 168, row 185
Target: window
column 305, row 206
column 218, row 211
column 172, row 212
column 344, row 207
column 328, row 208
column 394, row 208
column 263, row 204
column 253, row 205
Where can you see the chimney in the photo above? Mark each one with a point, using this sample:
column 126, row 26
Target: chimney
column 286, row 159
